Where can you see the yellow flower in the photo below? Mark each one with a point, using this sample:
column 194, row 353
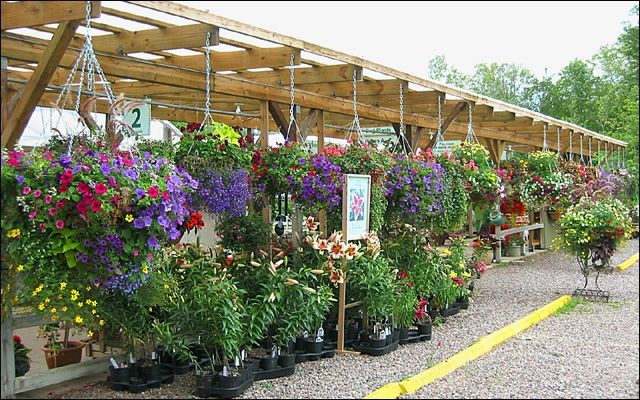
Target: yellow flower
column 101, row 322
column 453, row 275
column 63, row 285
column 88, row 288
column 166, row 287
column 145, row 270
column 93, row 311
column 74, row 297
column 90, row 333
column 20, row 268
column 78, row 319
column 54, row 317
column 64, row 308
column 59, row 297
column 41, row 306
column 13, row 233
column 47, row 300
column 54, row 310
column 150, row 309
column 461, row 265
column 80, row 304
column 446, row 252
column 128, row 218
column 466, row 274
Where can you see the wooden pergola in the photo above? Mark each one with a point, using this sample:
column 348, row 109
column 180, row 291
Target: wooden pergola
column 165, row 62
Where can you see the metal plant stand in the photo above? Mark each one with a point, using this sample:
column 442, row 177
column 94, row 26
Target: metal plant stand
column 596, row 294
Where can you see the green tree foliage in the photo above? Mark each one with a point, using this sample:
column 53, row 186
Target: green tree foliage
column 600, row 94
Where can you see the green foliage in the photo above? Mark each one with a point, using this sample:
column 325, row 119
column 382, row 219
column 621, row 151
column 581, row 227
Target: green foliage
column 372, row 281
column 404, row 309
column 244, row 234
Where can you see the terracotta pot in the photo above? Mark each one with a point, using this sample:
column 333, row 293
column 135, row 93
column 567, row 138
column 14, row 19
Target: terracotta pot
column 61, row 357
column 554, row 215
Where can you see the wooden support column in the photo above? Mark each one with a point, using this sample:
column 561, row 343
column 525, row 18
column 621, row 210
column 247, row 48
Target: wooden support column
column 264, row 142
column 448, row 120
column 26, row 100
column 8, row 363
column 4, row 92
column 416, row 138
column 322, row 217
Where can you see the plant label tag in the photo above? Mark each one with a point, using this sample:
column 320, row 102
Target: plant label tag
column 153, row 355
column 375, row 329
column 113, row 363
column 320, row 333
column 237, row 362
column 382, row 335
column 131, row 359
column 225, row 372
column 198, row 339
column 274, row 351
column 305, row 334
column 243, row 354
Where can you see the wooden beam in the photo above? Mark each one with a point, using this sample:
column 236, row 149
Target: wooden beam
column 264, row 34
column 25, row 14
column 176, row 37
column 4, row 93
column 25, row 102
column 235, row 60
column 409, row 98
column 416, row 138
column 447, row 121
column 308, row 123
column 331, row 73
column 364, row 88
column 281, row 120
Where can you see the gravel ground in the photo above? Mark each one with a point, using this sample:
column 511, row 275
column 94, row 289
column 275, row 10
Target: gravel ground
column 503, row 295
column 599, row 360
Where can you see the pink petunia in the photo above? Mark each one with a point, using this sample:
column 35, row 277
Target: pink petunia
column 33, row 215
column 82, row 207
column 47, row 199
column 88, row 197
column 83, row 188
column 96, row 205
column 101, row 188
column 53, row 211
column 153, row 192
column 37, row 193
column 136, row 253
column 26, row 190
column 149, row 256
column 59, row 224
column 67, row 177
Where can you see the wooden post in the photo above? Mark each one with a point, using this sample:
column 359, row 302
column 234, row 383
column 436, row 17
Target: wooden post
column 264, row 142
column 498, row 244
column 471, row 219
column 544, row 219
column 341, row 307
column 322, row 215
column 8, row 363
column 5, row 91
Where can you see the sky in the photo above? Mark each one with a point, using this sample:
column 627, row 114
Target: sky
column 406, row 35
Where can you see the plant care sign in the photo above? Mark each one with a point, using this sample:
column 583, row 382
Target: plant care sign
column 356, row 201
column 139, row 118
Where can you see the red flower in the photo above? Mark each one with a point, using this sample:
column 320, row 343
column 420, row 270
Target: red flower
column 458, row 281
column 96, row 205
column 101, row 188
column 17, row 339
column 67, row 177
column 87, row 197
column 402, row 275
column 63, row 188
column 82, row 207
column 83, row 188
column 59, row 224
column 61, row 203
column 153, row 192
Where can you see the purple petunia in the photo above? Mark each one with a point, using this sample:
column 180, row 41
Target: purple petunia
column 153, row 243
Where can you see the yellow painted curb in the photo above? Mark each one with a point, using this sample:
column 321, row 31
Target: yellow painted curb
column 629, row 262
column 390, row 391
column 478, row 349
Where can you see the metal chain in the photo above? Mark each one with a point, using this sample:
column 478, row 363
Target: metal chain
column 401, row 111
column 558, row 141
column 471, row 135
column 571, row 145
column 581, row 151
column 590, row 153
column 545, row 147
column 599, row 159
column 355, row 125
column 207, row 100
column 292, row 116
column 439, row 137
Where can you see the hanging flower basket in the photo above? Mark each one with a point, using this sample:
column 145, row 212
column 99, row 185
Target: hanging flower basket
column 554, row 215
column 63, row 356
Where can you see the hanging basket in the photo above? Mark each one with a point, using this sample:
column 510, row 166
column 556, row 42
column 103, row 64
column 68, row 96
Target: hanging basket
column 554, row 215
column 496, row 217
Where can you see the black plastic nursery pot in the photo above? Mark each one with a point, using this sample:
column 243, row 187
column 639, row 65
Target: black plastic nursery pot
column 233, row 380
column 462, row 303
column 152, row 375
column 450, row 311
column 300, row 344
column 311, row 346
column 251, row 365
column 433, row 314
column 389, row 339
column 352, row 333
column 377, row 343
column 424, row 328
column 396, row 335
column 268, row 363
column 404, row 333
column 119, row 378
column 287, row 360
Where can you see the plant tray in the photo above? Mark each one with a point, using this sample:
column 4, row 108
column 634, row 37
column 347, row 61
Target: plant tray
column 375, row 352
column 224, row 393
column 274, row 373
column 414, row 337
column 327, row 352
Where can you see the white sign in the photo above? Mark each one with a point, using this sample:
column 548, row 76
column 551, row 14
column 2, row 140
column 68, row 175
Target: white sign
column 356, row 202
column 445, row 146
column 139, row 118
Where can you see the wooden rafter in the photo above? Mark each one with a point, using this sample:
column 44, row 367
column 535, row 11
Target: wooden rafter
column 25, row 101
column 239, row 60
column 448, row 120
column 25, row 14
column 330, row 73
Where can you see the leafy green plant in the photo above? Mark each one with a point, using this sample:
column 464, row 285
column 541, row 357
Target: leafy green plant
column 404, row 308
column 244, row 234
